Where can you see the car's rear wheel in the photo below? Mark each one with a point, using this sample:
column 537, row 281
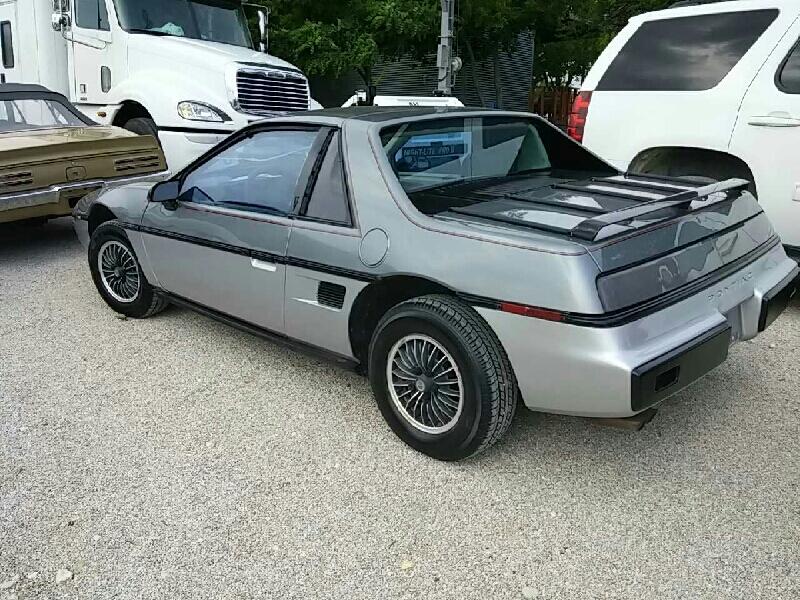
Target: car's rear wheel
column 118, row 275
column 441, row 378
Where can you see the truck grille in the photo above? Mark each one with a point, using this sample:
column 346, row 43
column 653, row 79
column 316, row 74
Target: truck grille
column 266, row 92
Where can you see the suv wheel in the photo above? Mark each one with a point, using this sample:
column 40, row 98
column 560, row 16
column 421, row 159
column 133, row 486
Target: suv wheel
column 118, row 276
column 441, row 378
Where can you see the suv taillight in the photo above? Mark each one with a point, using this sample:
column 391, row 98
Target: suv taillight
column 577, row 118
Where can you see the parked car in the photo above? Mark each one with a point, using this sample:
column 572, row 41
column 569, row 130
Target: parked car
column 704, row 89
column 184, row 71
column 51, row 155
column 523, row 265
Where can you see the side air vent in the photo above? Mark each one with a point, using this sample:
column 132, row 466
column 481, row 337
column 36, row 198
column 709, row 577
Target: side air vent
column 14, row 180
column 137, row 163
column 331, row 294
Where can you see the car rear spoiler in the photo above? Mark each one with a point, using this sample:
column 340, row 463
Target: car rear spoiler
column 591, row 229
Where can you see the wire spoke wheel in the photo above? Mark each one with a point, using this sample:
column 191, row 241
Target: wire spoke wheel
column 119, row 272
column 425, row 384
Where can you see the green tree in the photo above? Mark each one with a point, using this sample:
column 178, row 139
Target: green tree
column 335, row 37
column 332, row 38
column 569, row 40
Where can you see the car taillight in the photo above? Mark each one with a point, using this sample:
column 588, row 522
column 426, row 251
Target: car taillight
column 577, row 118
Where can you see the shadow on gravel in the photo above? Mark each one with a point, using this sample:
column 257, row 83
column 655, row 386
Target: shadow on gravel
column 18, row 240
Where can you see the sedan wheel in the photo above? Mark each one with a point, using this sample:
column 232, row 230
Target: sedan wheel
column 119, row 272
column 118, row 275
column 426, row 385
column 441, row 378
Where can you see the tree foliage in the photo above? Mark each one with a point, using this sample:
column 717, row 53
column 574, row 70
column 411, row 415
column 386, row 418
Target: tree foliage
column 569, row 40
column 335, row 37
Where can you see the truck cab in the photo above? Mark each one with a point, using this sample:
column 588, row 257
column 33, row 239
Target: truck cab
column 186, row 71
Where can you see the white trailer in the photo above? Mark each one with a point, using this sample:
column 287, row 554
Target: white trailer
column 186, row 71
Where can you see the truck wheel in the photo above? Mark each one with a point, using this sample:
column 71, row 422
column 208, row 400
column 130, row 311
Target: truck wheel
column 441, row 378
column 118, row 276
column 143, row 126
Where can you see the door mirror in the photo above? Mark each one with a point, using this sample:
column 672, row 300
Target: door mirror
column 263, row 25
column 263, row 29
column 166, row 192
column 61, row 19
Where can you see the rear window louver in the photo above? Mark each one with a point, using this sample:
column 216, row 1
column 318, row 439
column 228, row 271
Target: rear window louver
column 137, row 163
column 15, row 180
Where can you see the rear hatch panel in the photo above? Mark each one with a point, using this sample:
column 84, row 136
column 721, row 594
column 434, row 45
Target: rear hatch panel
column 651, row 238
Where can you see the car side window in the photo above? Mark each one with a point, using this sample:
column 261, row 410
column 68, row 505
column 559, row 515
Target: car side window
column 789, row 76
column 260, row 172
column 328, row 201
column 92, row 14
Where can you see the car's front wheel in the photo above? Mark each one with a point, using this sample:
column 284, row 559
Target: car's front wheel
column 441, row 378
column 118, row 275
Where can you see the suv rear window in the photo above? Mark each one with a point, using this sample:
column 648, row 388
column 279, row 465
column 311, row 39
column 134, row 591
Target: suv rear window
column 686, row 53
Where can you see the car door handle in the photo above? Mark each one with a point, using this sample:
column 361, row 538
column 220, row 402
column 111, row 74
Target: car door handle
column 263, row 265
column 774, row 119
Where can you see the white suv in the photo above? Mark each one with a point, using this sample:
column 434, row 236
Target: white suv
column 704, row 89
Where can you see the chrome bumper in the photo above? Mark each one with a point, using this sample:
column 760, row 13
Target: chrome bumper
column 54, row 193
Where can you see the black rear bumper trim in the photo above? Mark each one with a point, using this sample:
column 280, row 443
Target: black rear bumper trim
column 666, row 375
column 777, row 300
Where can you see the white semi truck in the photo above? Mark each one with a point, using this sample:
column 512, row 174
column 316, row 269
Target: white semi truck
column 185, row 71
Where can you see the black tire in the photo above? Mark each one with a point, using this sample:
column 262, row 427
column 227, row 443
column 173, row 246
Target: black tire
column 489, row 391
column 143, row 126
column 145, row 302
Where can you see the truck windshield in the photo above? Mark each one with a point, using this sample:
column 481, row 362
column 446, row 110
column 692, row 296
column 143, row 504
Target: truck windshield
column 208, row 20
column 24, row 114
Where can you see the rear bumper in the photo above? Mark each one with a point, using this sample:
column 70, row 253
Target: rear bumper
column 776, row 301
column 57, row 200
column 621, row 371
column 658, row 379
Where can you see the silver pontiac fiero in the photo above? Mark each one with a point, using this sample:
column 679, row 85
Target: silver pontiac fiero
column 464, row 259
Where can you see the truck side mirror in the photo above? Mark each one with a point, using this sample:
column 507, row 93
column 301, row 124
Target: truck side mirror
column 263, row 25
column 61, row 19
column 263, row 29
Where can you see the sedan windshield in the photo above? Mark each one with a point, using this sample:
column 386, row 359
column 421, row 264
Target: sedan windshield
column 24, row 114
column 427, row 154
column 209, row 20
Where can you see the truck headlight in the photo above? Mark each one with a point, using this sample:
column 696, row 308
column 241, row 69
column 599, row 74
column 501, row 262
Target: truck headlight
column 200, row 111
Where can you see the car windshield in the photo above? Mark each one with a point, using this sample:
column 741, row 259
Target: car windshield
column 209, row 20
column 23, row 114
column 428, row 154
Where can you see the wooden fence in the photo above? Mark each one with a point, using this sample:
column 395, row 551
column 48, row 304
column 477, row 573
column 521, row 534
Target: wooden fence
column 554, row 104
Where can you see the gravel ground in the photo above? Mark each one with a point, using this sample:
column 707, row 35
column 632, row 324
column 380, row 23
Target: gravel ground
column 179, row 458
